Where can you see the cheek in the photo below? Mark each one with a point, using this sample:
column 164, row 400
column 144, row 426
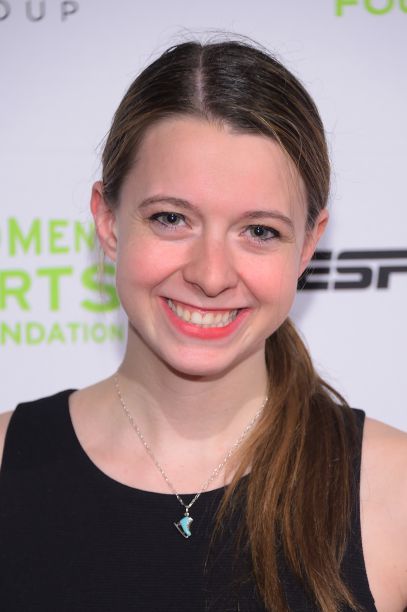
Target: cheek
column 274, row 286
column 274, row 281
column 138, row 265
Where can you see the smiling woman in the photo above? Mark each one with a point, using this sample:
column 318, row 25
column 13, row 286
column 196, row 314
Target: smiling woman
column 199, row 247
column 215, row 470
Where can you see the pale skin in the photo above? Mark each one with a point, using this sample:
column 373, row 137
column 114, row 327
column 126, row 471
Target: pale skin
column 185, row 229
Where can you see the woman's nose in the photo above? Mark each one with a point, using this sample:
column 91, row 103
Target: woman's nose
column 210, row 266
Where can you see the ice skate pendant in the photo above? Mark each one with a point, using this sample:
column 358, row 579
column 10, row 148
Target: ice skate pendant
column 184, row 524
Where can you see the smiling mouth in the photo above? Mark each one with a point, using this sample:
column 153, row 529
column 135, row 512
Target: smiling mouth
column 205, row 320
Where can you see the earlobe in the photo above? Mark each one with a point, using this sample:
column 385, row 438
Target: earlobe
column 312, row 238
column 105, row 221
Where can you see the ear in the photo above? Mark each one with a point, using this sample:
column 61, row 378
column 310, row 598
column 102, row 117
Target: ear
column 312, row 238
column 105, row 221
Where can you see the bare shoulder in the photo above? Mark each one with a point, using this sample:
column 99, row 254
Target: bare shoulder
column 384, row 464
column 383, row 498
column 385, row 449
column 4, row 421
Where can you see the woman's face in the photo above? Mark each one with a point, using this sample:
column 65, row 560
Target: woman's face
column 209, row 239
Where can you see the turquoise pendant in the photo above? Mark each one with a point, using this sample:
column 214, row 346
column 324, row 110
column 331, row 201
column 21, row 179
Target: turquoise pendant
column 184, row 524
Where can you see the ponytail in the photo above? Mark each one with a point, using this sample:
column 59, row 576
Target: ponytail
column 299, row 493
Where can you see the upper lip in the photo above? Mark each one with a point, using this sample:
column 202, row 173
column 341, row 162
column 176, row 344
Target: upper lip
column 202, row 308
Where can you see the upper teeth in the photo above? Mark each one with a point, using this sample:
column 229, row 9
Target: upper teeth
column 209, row 319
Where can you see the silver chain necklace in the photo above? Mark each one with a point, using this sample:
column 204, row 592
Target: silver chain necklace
column 184, row 524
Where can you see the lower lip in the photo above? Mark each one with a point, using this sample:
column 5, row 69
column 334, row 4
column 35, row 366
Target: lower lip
column 205, row 333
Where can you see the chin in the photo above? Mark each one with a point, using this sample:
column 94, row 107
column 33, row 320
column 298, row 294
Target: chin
column 198, row 370
column 199, row 367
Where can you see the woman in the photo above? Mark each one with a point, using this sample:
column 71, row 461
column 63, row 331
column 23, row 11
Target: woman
column 115, row 497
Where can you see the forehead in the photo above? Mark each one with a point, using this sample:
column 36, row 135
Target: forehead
column 203, row 161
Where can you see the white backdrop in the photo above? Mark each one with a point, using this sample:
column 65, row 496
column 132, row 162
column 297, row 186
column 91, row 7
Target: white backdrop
column 64, row 67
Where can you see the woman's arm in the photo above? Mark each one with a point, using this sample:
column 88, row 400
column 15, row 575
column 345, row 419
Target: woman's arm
column 4, row 421
column 384, row 514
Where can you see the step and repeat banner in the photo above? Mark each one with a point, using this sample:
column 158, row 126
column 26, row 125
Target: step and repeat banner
column 64, row 67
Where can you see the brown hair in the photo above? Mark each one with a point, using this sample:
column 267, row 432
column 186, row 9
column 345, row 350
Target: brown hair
column 299, row 492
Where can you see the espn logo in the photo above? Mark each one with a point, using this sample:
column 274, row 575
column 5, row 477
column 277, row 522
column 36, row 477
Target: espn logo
column 354, row 270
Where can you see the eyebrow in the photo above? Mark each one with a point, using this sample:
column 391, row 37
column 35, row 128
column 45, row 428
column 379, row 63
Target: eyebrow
column 251, row 214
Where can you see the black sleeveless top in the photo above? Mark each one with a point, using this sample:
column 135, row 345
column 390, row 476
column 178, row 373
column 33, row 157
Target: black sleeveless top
column 74, row 540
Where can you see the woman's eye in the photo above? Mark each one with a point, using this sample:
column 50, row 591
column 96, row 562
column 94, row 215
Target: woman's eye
column 168, row 219
column 172, row 221
column 262, row 233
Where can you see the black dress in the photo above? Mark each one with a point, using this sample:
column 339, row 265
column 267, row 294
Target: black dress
column 74, row 540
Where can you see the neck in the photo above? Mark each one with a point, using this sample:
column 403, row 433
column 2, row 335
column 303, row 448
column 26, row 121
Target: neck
column 200, row 409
